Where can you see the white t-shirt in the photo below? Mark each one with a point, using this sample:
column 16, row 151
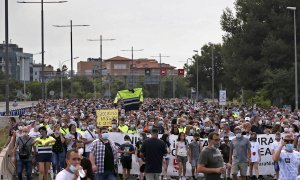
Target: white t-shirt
column 65, row 175
column 87, row 135
column 182, row 149
column 34, row 134
column 71, row 136
column 288, row 165
column 275, row 146
column 254, row 151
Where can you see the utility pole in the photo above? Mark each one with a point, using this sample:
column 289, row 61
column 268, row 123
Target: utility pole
column 101, row 54
column 6, row 61
column 212, row 74
column 44, row 93
column 160, row 66
column 131, row 67
column 196, row 60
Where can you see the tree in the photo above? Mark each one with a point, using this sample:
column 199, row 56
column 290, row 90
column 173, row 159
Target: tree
column 258, row 48
column 205, row 69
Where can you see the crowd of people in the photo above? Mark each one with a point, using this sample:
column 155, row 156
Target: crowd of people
column 62, row 137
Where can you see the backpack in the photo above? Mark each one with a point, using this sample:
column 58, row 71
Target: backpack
column 24, row 152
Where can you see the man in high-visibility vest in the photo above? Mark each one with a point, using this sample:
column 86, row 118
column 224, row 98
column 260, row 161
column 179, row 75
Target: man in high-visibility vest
column 122, row 127
column 132, row 98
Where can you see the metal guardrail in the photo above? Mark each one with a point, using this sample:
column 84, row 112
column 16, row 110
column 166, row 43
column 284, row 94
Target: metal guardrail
column 7, row 165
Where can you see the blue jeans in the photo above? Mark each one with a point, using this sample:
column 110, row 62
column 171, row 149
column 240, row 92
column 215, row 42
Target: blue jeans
column 58, row 161
column 28, row 167
column 107, row 175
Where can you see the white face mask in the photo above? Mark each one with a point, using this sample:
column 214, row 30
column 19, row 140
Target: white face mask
column 80, row 151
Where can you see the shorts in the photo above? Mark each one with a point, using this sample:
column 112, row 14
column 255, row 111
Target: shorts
column 276, row 167
column 194, row 162
column 44, row 157
column 239, row 166
column 182, row 159
column 126, row 163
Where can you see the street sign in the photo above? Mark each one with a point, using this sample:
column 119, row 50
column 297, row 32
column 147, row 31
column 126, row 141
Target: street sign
column 163, row 71
column 51, row 93
column 180, row 72
column 222, row 97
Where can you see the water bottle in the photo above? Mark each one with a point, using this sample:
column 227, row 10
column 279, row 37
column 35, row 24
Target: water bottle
column 223, row 175
column 81, row 173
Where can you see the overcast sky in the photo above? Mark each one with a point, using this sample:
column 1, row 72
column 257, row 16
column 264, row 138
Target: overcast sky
column 171, row 27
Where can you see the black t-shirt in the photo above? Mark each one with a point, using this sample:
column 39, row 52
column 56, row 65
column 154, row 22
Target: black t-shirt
column 138, row 146
column 87, row 165
column 153, row 149
column 58, row 145
column 225, row 148
column 109, row 158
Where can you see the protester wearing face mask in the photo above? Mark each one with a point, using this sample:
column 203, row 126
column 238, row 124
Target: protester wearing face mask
column 256, row 126
column 71, row 172
column 274, row 148
column 126, row 150
column 211, row 161
column 88, row 137
column 255, row 156
column 85, row 163
column 160, row 126
column 132, row 128
column 225, row 150
column 182, row 126
column 44, row 152
column 23, row 153
column 194, row 152
column 123, row 127
column 182, row 149
column 240, row 154
column 58, row 155
column 288, row 159
column 104, row 156
column 72, row 137
column 64, row 129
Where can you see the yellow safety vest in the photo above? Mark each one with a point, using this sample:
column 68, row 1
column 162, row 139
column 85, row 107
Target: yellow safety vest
column 64, row 131
column 182, row 129
column 123, row 128
column 79, row 131
column 131, row 131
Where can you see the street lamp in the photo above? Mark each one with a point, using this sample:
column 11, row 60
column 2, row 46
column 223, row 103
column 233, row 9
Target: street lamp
column 197, row 93
column 42, row 36
column 131, row 67
column 101, row 40
column 71, row 39
column 296, row 65
column 61, row 75
column 160, row 56
column 6, row 62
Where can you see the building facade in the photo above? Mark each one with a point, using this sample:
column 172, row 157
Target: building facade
column 20, row 63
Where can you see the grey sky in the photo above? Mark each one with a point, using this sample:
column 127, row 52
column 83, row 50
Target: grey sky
column 170, row 27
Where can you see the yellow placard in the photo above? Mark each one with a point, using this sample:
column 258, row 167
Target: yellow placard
column 104, row 117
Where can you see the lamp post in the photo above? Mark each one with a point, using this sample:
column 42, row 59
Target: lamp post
column 197, row 93
column 6, row 62
column 101, row 55
column 160, row 56
column 71, row 38
column 212, row 74
column 42, row 37
column 131, row 67
column 61, row 75
column 296, row 65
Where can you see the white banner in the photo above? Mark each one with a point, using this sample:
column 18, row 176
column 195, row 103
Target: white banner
column 265, row 166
